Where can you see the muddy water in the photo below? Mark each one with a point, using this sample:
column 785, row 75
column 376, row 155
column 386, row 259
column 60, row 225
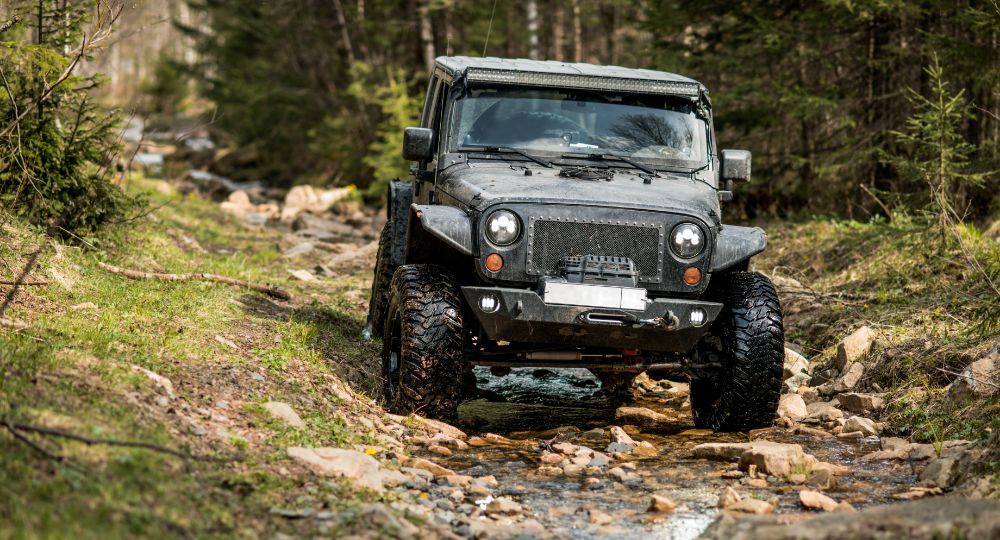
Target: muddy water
column 528, row 404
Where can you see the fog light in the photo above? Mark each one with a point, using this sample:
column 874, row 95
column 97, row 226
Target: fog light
column 489, row 303
column 494, row 262
column 692, row 276
column 697, row 317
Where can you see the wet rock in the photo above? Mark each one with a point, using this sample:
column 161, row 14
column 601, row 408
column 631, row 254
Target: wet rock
column 443, row 439
column 573, row 470
column 939, row 472
column 285, row 413
column 643, row 417
column 489, row 481
column 943, row 517
column 812, row 432
column 599, row 460
column 822, row 412
column 440, row 450
column 850, row 436
column 427, row 465
column 565, row 448
column 549, row 470
column 728, row 498
column 776, row 459
column 979, row 379
column 645, row 449
column 595, row 435
column 861, row 403
column 817, row 501
column 720, row 451
column 792, row 406
column 361, row 469
column 623, row 476
column 550, row 458
column 659, row 503
column 854, row 347
column 851, row 377
column 503, row 506
column 860, row 424
column 751, row 506
column 457, row 480
column 488, row 530
column 618, row 435
column 619, row 448
column 599, row 517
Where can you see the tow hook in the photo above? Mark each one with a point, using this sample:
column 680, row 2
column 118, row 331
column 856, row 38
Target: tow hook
column 669, row 322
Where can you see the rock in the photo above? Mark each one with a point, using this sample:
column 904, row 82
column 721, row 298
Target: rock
column 599, row 517
column 84, row 305
column 302, row 275
column 976, row 380
column 573, row 470
column 817, row 501
column 850, row 435
column 792, row 406
column 308, row 199
column 808, row 393
column 893, row 443
column 484, row 529
column 623, row 476
column 599, row 460
column 618, row 435
column 503, row 506
column 776, row 459
column 728, row 498
column 284, row 412
column 751, row 506
column 859, row 423
column 438, row 426
column 646, row 419
column 376, row 517
column 619, row 448
column 645, row 449
column 163, row 384
column 659, row 503
column 550, row 458
column 565, row 448
column 941, row 517
column 427, row 465
column 457, row 480
column 720, row 451
column 823, row 412
column 299, row 250
column 939, row 473
column 358, row 467
column 850, row 378
column 549, row 470
column 861, row 403
column 595, row 435
column 812, row 432
column 854, row 347
column 440, row 450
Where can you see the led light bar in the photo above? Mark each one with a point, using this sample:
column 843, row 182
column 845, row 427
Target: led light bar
column 587, row 82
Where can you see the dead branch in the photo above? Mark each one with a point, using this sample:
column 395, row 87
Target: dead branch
column 269, row 290
column 24, row 283
column 7, row 25
column 90, row 441
column 978, row 381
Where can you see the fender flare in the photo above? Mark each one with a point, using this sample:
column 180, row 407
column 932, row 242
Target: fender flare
column 447, row 223
column 398, row 207
column 736, row 244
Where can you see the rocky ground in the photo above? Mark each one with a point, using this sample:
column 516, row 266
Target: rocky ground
column 540, row 454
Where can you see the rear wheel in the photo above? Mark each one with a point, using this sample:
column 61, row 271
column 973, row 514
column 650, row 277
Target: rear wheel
column 422, row 344
column 384, row 269
column 748, row 341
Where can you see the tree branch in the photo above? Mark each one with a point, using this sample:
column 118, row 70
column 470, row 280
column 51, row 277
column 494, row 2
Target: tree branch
column 269, row 290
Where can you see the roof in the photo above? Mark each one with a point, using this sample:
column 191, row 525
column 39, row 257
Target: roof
column 457, row 65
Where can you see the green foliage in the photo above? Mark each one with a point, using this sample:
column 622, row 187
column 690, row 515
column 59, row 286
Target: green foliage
column 56, row 155
column 166, row 89
column 935, row 152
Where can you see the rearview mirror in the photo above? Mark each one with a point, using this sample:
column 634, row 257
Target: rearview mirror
column 418, row 144
column 735, row 165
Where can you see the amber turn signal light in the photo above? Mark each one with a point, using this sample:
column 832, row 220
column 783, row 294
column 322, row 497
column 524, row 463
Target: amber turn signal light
column 494, row 262
column 692, row 276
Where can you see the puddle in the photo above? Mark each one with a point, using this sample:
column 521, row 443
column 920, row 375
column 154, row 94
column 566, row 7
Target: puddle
column 528, row 404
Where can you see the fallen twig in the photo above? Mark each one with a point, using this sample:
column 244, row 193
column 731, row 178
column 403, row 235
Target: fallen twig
column 269, row 290
column 13, row 427
column 24, row 283
column 979, row 381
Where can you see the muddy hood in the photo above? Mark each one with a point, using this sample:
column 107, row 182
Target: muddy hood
column 483, row 185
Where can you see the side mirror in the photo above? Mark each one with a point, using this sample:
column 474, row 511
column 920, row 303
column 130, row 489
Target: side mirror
column 418, row 144
column 735, row 165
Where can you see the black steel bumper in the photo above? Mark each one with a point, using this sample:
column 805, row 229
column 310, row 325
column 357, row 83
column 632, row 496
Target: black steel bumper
column 523, row 317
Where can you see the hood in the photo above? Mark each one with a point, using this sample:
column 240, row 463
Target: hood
column 480, row 185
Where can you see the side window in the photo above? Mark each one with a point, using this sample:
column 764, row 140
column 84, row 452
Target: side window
column 430, row 104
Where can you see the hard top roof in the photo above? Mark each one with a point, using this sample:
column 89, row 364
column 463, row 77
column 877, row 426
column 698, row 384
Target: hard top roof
column 457, row 65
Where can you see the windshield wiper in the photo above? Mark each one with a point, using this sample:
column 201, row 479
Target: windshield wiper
column 521, row 153
column 623, row 159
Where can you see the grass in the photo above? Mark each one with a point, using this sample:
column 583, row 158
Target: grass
column 73, row 368
column 931, row 307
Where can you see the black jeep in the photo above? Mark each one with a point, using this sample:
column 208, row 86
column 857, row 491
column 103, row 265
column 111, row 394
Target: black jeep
column 567, row 215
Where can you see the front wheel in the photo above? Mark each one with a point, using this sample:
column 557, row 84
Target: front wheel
column 748, row 340
column 423, row 343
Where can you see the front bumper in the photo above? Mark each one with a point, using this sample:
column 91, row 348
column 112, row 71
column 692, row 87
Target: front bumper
column 523, row 317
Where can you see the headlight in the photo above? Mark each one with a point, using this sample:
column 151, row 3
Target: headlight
column 503, row 228
column 686, row 240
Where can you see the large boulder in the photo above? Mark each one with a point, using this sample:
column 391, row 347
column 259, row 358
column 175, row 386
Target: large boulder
column 854, row 347
column 358, row 467
column 776, row 459
column 793, row 407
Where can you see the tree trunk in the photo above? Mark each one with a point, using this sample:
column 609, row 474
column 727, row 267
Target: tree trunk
column 426, row 34
column 532, row 8
column 558, row 32
column 577, row 33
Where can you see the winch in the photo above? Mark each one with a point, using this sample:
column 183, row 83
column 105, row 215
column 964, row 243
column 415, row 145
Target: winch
column 599, row 270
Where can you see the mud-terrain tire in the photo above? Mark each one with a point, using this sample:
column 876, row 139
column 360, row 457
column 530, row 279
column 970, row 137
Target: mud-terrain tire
column 378, row 304
column 616, row 386
column 422, row 344
column 748, row 340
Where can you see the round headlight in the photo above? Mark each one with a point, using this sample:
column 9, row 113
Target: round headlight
column 503, row 228
column 686, row 240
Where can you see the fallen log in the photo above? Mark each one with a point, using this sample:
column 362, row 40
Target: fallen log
column 269, row 290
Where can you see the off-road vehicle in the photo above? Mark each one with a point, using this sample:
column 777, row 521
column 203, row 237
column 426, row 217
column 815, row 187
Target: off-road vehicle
column 567, row 215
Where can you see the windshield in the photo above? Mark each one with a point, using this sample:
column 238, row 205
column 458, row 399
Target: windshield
column 658, row 130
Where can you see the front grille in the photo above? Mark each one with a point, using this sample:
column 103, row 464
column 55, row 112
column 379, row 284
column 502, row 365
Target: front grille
column 551, row 240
